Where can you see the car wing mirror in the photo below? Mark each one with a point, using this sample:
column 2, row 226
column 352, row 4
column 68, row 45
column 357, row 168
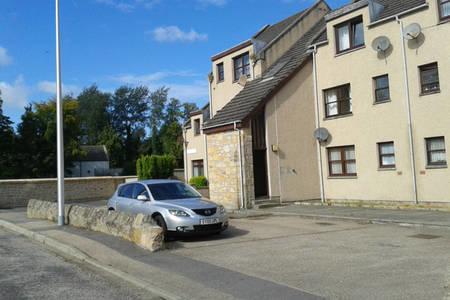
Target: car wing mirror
column 143, row 198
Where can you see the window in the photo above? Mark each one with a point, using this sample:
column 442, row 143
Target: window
column 172, row 191
column 220, row 73
column 140, row 190
column 342, row 161
column 241, row 66
column 381, row 84
column 429, row 78
column 197, row 127
column 386, row 155
column 349, row 35
column 197, row 168
column 436, row 151
column 444, row 9
column 338, row 101
column 126, row 191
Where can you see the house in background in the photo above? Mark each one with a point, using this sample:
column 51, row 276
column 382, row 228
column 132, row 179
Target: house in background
column 195, row 158
column 95, row 162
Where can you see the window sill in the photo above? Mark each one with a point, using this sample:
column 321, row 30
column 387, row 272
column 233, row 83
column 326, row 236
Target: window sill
column 220, row 81
column 444, row 21
column 350, row 51
column 338, row 117
column 387, row 169
column 343, row 177
column 431, row 167
column 382, row 102
column 430, row 93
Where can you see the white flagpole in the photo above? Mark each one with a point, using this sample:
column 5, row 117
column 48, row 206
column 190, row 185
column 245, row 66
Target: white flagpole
column 59, row 123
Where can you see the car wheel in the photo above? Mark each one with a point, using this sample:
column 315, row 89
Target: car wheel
column 159, row 220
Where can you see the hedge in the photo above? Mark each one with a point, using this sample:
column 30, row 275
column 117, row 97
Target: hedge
column 198, row 182
column 155, row 167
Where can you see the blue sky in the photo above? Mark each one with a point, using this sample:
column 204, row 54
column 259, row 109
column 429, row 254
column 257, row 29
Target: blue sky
column 115, row 42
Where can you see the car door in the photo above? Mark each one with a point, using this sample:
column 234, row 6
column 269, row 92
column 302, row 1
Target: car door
column 139, row 206
column 125, row 198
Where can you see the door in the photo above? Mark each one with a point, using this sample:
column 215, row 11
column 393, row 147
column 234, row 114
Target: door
column 125, row 199
column 139, row 206
column 260, row 155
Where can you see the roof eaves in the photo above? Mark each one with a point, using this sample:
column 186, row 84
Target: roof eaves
column 346, row 10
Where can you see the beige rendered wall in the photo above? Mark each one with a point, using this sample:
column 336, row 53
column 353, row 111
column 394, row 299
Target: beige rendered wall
column 196, row 147
column 223, row 92
column 372, row 123
column 290, row 125
column 278, row 48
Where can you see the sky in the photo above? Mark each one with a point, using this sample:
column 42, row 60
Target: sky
column 124, row 42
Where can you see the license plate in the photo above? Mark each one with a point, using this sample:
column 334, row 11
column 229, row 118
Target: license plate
column 209, row 221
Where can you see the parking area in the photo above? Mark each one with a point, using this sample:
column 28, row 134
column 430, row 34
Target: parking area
column 338, row 260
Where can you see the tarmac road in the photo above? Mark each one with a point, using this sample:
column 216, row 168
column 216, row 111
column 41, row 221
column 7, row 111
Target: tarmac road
column 29, row 271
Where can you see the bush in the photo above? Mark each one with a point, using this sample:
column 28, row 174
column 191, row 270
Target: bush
column 155, row 167
column 198, row 182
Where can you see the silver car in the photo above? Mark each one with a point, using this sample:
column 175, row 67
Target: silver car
column 173, row 205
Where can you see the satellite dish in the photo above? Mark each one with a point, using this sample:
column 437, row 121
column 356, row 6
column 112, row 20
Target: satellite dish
column 243, row 80
column 381, row 44
column 210, row 77
column 321, row 134
column 412, row 31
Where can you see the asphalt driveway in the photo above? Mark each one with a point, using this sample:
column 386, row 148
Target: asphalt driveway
column 336, row 260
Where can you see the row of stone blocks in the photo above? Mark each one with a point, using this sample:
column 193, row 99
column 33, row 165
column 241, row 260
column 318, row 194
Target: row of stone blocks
column 138, row 229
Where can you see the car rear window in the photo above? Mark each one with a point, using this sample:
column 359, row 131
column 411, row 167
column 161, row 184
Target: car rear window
column 172, row 191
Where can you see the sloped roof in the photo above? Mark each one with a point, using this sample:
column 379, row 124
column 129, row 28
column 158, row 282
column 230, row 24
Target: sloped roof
column 270, row 32
column 94, row 153
column 257, row 91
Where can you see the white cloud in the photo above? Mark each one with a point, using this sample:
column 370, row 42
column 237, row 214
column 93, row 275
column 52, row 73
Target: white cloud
column 190, row 91
column 49, row 87
column 172, row 34
column 5, row 59
column 213, row 2
column 15, row 95
column 128, row 5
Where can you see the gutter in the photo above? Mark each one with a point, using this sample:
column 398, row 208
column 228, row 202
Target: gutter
column 397, row 16
column 408, row 107
column 221, row 125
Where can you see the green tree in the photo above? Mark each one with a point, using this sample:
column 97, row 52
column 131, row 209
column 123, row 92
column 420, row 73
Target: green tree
column 7, row 169
column 113, row 143
column 172, row 141
column 188, row 108
column 93, row 112
column 158, row 100
column 129, row 113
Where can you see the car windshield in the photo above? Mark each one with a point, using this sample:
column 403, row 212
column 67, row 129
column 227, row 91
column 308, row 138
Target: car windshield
column 172, row 191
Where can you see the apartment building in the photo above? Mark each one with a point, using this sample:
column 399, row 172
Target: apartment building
column 383, row 94
column 371, row 75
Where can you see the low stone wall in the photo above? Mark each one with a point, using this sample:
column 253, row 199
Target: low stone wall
column 16, row 193
column 138, row 229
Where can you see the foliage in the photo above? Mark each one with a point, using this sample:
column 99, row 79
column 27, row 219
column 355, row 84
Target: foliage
column 155, row 167
column 188, row 108
column 6, row 144
column 93, row 112
column 158, row 100
column 198, row 182
column 113, row 144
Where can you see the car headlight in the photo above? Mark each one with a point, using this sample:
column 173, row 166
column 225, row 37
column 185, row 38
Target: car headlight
column 178, row 213
column 222, row 209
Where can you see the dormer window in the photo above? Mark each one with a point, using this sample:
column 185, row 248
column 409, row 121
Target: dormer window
column 349, row 35
column 444, row 9
column 241, row 65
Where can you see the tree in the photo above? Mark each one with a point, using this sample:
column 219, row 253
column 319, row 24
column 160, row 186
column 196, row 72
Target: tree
column 37, row 138
column 188, row 108
column 129, row 113
column 93, row 112
column 158, row 100
column 172, row 141
column 6, row 144
column 114, row 145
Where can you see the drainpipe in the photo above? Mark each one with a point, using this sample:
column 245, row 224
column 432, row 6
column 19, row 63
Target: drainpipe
column 278, row 154
column 241, row 168
column 316, row 104
column 185, row 156
column 206, row 155
column 408, row 107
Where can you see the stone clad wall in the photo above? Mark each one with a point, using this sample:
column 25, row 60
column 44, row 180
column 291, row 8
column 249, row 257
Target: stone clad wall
column 223, row 168
column 16, row 193
column 247, row 144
